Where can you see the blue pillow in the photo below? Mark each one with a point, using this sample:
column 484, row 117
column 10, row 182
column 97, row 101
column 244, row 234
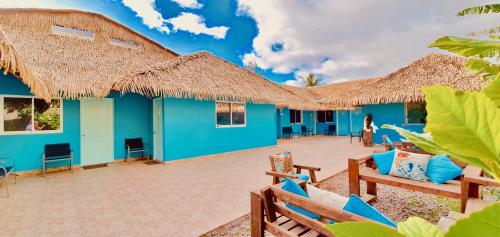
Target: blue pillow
column 384, row 161
column 359, row 207
column 303, row 177
column 294, row 188
column 389, row 141
column 441, row 169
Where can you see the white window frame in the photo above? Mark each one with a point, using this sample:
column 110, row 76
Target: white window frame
column 33, row 131
column 73, row 32
column 333, row 120
column 301, row 115
column 406, row 116
column 231, row 115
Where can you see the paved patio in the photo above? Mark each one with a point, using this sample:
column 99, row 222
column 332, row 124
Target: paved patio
column 185, row 198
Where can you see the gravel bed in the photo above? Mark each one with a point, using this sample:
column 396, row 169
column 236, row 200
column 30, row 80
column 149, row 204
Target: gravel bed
column 396, row 203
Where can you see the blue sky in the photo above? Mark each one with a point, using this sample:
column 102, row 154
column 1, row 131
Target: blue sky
column 334, row 39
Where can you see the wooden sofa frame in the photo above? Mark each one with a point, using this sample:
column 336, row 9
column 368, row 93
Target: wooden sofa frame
column 464, row 189
column 277, row 176
column 268, row 212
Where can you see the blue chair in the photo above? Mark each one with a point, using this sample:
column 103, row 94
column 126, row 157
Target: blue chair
column 57, row 152
column 331, row 130
column 287, row 132
column 135, row 145
column 7, row 166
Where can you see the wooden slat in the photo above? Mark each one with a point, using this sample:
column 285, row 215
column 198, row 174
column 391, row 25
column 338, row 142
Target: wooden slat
column 368, row 198
column 311, row 233
column 304, row 221
column 451, row 189
column 288, row 225
column 277, row 230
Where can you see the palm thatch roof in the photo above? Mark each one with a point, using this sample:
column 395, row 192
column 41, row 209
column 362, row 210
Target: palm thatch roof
column 403, row 85
column 60, row 64
column 204, row 76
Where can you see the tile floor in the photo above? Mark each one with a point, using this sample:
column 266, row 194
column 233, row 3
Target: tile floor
column 186, row 198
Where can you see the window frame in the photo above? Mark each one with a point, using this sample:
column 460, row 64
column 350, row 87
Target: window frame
column 324, row 116
column 231, row 125
column 406, row 116
column 33, row 131
column 290, row 115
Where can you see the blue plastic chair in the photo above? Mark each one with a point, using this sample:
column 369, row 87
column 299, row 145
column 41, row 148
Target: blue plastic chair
column 7, row 166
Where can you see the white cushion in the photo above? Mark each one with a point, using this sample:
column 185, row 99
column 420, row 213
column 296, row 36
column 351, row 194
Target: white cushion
column 327, row 198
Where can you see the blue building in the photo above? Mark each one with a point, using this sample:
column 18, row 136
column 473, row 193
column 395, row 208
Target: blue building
column 81, row 78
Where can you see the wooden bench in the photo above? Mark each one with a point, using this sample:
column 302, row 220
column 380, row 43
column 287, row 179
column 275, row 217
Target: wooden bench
column 269, row 213
column 463, row 189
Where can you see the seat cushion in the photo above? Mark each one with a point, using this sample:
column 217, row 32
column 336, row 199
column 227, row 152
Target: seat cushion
column 290, row 186
column 327, row 198
column 283, row 162
column 384, row 161
column 359, row 207
column 441, row 169
column 409, row 165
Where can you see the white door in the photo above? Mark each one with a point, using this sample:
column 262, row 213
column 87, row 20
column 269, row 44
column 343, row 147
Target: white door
column 96, row 129
column 158, row 128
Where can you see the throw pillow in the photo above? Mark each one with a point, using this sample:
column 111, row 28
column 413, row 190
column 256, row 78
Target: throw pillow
column 441, row 169
column 409, row 165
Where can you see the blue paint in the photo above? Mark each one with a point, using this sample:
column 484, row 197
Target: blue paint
column 357, row 119
column 321, row 127
column 133, row 118
column 190, row 129
column 27, row 148
column 284, row 116
column 343, row 122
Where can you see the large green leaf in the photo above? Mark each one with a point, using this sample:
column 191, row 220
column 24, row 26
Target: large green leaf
column 483, row 68
column 362, row 229
column 485, row 9
column 482, row 223
column 492, row 90
column 418, row 227
column 466, row 123
column 468, row 47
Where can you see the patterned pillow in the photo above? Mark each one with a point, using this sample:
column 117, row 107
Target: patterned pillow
column 283, row 162
column 409, row 165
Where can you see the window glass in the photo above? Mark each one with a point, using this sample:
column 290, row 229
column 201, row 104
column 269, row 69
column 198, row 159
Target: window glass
column 416, row 112
column 223, row 113
column 238, row 113
column 329, row 116
column 321, row 116
column 17, row 114
column 295, row 116
column 47, row 115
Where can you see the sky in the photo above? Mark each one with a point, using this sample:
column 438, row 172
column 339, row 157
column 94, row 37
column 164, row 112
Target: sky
column 336, row 40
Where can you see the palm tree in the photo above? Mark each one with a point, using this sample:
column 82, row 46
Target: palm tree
column 310, row 80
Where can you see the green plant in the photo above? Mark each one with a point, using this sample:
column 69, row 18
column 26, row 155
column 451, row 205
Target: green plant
column 310, row 80
column 462, row 124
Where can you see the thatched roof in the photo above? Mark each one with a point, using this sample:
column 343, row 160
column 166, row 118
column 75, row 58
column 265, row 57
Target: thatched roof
column 403, row 85
column 53, row 64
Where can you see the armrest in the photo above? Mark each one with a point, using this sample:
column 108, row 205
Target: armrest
column 307, row 167
column 472, row 174
column 280, row 174
column 362, row 159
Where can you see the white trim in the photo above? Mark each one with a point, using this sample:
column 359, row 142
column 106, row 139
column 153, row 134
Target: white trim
column 231, row 114
column 301, row 115
column 33, row 131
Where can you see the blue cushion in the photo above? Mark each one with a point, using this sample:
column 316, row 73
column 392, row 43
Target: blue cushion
column 389, row 141
column 359, row 207
column 294, row 188
column 441, row 169
column 303, row 177
column 384, row 161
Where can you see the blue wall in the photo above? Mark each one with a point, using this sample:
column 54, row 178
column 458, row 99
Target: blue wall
column 27, row 149
column 190, row 129
column 321, row 127
column 133, row 119
column 284, row 120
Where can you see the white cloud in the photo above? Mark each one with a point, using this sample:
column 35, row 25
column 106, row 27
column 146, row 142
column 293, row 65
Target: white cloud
column 189, row 3
column 55, row 4
column 145, row 9
column 343, row 40
column 196, row 24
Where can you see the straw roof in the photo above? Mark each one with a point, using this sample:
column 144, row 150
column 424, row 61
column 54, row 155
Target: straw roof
column 403, row 85
column 53, row 64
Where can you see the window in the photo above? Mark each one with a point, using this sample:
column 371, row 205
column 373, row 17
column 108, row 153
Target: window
column 230, row 114
column 25, row 115
column 416, row 113
column 325, row 116
column 73, row 32
column 295, row 116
